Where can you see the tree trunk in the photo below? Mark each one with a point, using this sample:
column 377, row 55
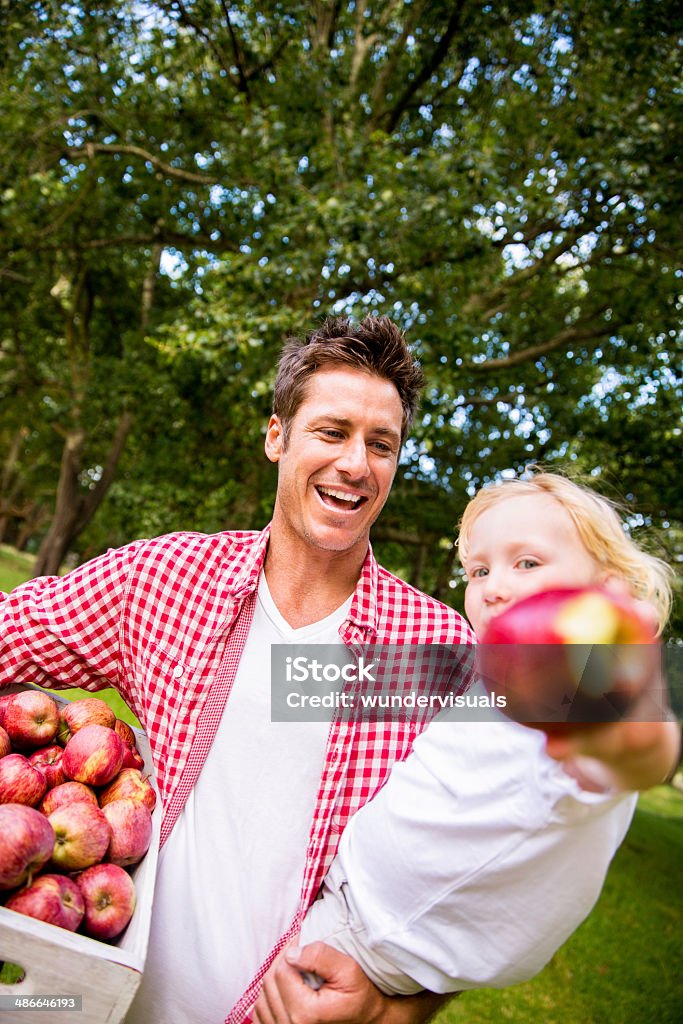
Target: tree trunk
column 10, row 481
column 74, row 509
column 32, row 521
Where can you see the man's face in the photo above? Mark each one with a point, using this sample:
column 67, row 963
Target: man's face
column 336, row 470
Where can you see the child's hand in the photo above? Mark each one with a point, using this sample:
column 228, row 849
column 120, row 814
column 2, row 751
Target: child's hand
column 621, row 755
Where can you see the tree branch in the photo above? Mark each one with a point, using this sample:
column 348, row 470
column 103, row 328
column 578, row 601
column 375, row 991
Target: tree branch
column 569, row 335
column 238, row 54
column 185, row 19
column 430, row 65
column 92, row 148
column 386, row 533
column 160, row 236
column 14, row 276
column 487, row 303
column 91, row 502
column 363, row 43
column 384, row 76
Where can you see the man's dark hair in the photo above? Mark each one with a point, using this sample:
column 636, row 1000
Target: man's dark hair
column 375, row 345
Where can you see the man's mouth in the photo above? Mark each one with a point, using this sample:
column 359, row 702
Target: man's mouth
column 338, row 498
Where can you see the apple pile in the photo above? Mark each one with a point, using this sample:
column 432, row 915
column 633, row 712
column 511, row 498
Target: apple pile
column 566, row 658
column 75, row 812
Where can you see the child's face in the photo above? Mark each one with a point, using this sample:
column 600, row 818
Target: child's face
column 518, row 547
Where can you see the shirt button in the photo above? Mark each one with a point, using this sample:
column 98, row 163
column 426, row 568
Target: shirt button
column 178, row 671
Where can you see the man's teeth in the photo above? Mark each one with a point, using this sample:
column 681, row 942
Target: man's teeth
column 338, row 495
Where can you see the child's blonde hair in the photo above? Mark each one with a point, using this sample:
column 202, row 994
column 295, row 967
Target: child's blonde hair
column 599, row 526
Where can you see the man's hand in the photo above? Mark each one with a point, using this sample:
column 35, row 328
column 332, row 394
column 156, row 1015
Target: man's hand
column 346, row 997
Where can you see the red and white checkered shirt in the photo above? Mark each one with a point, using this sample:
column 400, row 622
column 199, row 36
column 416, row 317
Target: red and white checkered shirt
column 165, row 622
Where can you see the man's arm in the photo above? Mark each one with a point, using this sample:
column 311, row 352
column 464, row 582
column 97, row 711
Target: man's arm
column 346, row 997
column 65, row 631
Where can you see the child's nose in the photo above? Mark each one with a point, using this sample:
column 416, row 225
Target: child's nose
column 495, row 587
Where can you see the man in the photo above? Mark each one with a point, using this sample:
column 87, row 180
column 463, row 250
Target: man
column 183, row 625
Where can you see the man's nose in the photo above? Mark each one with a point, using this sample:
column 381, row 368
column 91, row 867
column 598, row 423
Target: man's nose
column 353, row 459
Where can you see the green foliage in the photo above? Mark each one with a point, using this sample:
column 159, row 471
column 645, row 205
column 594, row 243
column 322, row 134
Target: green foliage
column 184, row 185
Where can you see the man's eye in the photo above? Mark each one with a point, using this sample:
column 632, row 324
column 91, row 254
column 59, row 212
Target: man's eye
column 383, row 448
column 330, row 432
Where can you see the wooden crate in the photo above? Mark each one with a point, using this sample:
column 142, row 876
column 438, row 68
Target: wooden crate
column 61, row 963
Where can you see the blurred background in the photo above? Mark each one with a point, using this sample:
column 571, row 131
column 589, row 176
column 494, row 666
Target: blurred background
column 185, row 183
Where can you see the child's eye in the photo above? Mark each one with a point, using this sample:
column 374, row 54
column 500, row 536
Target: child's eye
column 478, row 573
column 527, row 563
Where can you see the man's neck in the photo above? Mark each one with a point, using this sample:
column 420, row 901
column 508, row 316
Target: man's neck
column 310, row 586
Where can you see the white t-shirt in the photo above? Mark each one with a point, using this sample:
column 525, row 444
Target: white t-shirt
column 230, row 873
column 473, row 864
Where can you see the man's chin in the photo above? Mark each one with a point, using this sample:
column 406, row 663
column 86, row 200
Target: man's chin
column 338, row 538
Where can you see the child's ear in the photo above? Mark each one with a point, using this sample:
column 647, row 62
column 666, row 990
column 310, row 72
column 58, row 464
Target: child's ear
column 615, row 584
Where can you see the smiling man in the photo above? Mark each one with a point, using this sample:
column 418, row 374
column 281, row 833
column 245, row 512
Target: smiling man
column 183, row 626
column 337, row 457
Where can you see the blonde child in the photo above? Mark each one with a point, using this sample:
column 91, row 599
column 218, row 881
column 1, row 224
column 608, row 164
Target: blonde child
column 634, row 755
column 482, row 853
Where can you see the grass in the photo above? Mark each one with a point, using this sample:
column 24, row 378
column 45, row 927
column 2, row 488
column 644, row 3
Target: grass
column 622, row 965
column 15, row 567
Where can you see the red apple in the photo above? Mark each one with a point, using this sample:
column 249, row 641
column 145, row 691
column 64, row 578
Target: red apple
column 55, row 899
column 26, row 842
column 109, row 895
column 20, row 781
column 129, row 783
column 4, row 701
column 132, row 759
column 49, row 760
column 564, row 658
column 125, row 732
column 93, row 755
column 5, row 745
column 31, row 719
column 88, row 711
column 67, row 793
column 131, row 831
column 82, row 835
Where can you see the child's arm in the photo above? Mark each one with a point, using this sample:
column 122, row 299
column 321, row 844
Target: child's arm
column 622, row 755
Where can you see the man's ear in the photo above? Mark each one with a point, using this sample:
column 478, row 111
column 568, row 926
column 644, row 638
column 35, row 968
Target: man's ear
column 274, row 439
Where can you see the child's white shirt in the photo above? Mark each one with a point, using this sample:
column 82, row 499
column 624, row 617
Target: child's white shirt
column 474, row 863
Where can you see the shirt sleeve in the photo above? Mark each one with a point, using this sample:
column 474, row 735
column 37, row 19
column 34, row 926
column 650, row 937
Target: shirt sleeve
column 65, row 631
column 477, row 860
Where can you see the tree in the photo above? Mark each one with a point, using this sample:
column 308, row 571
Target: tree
column 500, row 178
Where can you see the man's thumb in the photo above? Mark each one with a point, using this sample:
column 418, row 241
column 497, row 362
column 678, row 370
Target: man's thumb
column 309, row 961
